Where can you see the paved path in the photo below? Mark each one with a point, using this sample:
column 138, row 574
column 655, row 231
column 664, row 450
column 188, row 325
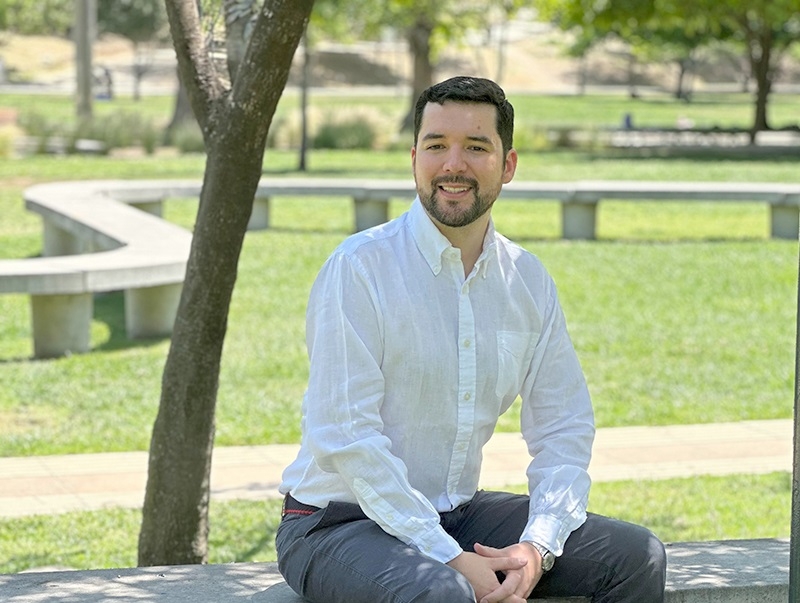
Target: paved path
column 54, row 484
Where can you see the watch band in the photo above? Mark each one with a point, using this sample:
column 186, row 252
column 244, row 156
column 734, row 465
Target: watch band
column 548, row 558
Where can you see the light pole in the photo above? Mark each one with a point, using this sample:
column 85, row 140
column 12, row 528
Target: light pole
column 794, row 544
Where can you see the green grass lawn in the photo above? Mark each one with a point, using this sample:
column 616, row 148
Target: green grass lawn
column 651, row 109
column 681, row 313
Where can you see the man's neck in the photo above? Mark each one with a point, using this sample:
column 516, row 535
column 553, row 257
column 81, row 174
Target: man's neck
column 468, row 239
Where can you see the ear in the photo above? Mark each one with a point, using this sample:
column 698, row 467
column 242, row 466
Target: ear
column 510, row 167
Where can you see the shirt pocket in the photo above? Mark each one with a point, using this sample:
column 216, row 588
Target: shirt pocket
column 514, row 353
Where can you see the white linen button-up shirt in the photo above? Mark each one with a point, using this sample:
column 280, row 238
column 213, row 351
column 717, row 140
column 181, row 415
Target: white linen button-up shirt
column 411, row 364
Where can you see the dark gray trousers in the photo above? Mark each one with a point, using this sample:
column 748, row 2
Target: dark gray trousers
column 338, row 555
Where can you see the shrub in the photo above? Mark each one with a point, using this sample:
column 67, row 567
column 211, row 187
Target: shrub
column 350, row 134
column 121, row 129
column 6, row 142
column 188, row 138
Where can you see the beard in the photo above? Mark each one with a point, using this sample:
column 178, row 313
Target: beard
column 452, row 214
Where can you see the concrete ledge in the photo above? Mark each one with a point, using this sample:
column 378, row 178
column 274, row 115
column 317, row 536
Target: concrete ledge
column 735, row 571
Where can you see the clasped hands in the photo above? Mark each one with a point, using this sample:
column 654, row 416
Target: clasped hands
column 521, row 563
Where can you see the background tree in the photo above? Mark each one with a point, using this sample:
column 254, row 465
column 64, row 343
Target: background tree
column 37, row 17
column 140, row 22
column 426, row 25
column 766, row 29
column 235, row 120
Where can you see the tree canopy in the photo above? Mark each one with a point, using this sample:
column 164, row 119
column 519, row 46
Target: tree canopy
column 137, row 20
column 37, row 17
column 765, row 29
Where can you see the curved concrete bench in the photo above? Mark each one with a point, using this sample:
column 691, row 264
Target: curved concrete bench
column 734, row 571
column 94, row 241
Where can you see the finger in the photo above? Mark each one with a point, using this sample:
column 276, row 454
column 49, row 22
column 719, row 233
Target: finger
column 524, row 586
column 506, row 564
column 510, row 562
column 504, row 591
column 487, row 551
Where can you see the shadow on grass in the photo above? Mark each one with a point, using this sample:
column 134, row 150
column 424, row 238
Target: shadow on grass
column 38, row 562
column 264, row 544
column 636, row 241
column 109, row 308
column 702, row 154
column 316, row 231
column 365, row 173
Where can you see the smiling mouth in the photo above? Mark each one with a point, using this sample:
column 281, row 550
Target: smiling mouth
column 453, row 189
column 455, row 186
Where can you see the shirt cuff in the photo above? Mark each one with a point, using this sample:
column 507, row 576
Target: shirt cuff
column 549, row 532
column 439, row 545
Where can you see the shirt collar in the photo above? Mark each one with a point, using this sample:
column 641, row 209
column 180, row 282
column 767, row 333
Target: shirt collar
column 432, row 243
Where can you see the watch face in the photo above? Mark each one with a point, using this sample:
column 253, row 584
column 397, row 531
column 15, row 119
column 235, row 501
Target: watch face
column 548, row 560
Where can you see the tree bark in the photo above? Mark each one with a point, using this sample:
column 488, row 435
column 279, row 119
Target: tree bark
column 419, row 42
column 235, row 123
column 236, row 21
column 304, row 86
column 181, row 113
column 760, row 54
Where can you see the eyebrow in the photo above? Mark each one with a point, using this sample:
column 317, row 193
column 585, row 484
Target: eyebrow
column 435, row 136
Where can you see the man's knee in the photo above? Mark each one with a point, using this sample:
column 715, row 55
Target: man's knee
column 643, row 575
column 649, row 554
column 654, row 562
column 453, row 588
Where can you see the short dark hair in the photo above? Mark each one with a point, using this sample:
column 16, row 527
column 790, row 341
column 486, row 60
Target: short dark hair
column 465, row 89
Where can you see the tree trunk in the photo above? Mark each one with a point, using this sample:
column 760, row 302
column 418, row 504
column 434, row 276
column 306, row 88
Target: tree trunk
column 683, row 91
column 235, row 35
column 235, row 123
column 175, row 519
column 760, row 53
column 137, row 71
column 304, row 85
column 632, row 76
column 419, row 42
column 181, row 113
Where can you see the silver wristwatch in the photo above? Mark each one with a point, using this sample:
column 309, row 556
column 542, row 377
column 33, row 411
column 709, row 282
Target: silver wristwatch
column 548, row 559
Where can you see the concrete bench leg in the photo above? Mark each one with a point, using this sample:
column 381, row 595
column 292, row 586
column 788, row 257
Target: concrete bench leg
column 371, row 212
column 785, row 221
column 578, row 220
column 155, row 208
column 57, row 241
column 259, row 218
column 61, row 324
column 151, row 311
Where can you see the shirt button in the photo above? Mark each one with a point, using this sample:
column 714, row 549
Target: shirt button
column 467, row 343
column 468, row 396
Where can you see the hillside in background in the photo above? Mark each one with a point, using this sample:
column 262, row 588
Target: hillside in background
column 533, row 59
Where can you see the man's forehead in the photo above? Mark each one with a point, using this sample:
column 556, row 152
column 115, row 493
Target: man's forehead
column 474, row 116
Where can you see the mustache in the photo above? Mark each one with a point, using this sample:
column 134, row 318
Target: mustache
column 455, row 180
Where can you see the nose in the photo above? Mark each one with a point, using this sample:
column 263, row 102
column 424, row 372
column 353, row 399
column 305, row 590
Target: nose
column 454, row 161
